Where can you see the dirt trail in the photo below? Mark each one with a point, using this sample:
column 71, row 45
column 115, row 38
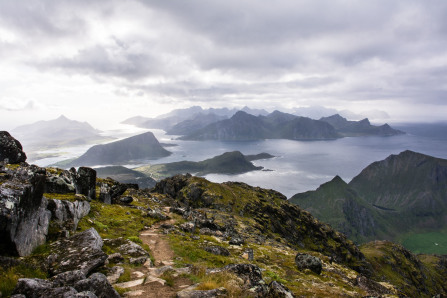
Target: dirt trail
column 147, row 281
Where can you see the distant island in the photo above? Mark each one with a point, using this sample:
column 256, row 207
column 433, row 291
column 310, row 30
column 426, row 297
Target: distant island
column 247, row 124
column 57, row 133
column 228, row 163
column 133, row 149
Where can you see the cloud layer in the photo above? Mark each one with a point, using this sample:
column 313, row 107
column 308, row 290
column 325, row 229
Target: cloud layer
column 374, row 55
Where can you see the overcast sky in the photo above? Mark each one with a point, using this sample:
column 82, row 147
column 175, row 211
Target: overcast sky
column 103, row 61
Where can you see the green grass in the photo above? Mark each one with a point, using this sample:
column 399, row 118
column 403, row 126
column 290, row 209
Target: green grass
column 428, row 243
column 9, row 277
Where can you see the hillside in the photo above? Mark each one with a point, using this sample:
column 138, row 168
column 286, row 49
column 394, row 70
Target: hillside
column 141, row 147
column 79, row 235
column 402, row 194
column 58, row 132
column 125, row 175
column 199, row 121
column 227, row 163
column 359, row 128
column 277, row 125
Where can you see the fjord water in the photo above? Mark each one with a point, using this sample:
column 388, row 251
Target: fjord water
column 299, row 166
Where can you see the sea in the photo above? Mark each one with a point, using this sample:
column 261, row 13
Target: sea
column 298, row 166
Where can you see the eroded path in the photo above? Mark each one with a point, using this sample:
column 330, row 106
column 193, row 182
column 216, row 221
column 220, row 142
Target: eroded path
column 147, row 281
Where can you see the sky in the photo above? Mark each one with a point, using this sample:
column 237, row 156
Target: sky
column 103, row 61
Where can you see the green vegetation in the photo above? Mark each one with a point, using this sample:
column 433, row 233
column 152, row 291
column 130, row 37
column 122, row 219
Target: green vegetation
column 428, row 243
column 227, row 163
column 10, row 276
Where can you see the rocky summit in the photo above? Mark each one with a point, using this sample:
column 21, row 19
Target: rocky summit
column 69, row 233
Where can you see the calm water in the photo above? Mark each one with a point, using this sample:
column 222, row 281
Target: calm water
column 299, row 165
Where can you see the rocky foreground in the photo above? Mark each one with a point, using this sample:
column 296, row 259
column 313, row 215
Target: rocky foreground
column 71, row 234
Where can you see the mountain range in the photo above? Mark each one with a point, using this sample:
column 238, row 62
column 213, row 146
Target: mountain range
column 278, row 125
column 401, row 195
column 169, row 120
column 58, row 132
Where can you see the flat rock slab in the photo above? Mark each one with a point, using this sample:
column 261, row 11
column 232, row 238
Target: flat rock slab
column 79, row 252
column 130, row 284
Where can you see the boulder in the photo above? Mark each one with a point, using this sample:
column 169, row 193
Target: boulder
column 219, row 292
column 67, row 284
column 236, row 240
column 79, row 252
column 85, row 182
column 133, row 250
column 249, row 273
column 66, row 214
column 157, row 214
column 98, row 284
column 217, row 250
column 24, row 218
column 11, row 150
column 114, row 274
column 305, row 261
column 278, row 290
column 125, row 200
column 59, row 181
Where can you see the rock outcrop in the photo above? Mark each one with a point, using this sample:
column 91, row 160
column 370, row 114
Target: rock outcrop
column 85, row 182
column 24, row 218
column 306, row 261
column 11, row 150
column 66, row 214
column 79, row 252
column 67, row 284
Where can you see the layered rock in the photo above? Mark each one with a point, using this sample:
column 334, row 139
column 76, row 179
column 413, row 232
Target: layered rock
column 66, row 214
column 24, row 218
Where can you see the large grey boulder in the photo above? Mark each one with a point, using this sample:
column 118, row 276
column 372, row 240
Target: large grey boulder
column 66, row 214
column 305, row 261
column 67, row 284
column 278, row 290
column 97, row 283
column 79, row 252
column 10, row 149
column 24, row 218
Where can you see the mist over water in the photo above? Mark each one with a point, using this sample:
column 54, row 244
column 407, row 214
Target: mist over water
column 299, row 166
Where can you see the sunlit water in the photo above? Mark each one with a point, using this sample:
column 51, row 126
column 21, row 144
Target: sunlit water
column 298, row 166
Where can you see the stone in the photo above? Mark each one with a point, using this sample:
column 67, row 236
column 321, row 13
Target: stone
column 157, row 214
column 248, row 254
column 133, row 250
column 138, row 261
column 11, row 149
column 217, row 250
column 79, row 252
column 249, row 273
column 31, row 287
column 115, row 258
column 373, row 288
column 188, row 227
column 219, row 292
column 278, row 290
column 236, row 240
column 59, row 181
column 85, row 182
column 66, row 214
column 98, row 284
column 24, row 218
column 68, row 278
column 126, row 200
column 306, row 261
column 114, row 274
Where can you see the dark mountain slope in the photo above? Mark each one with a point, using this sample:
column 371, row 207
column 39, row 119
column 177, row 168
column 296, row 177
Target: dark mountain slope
column 143, row 146
column 359, row 128
column 277, row 125
column 198, row 122
column 403, row 193
column 125, row 175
